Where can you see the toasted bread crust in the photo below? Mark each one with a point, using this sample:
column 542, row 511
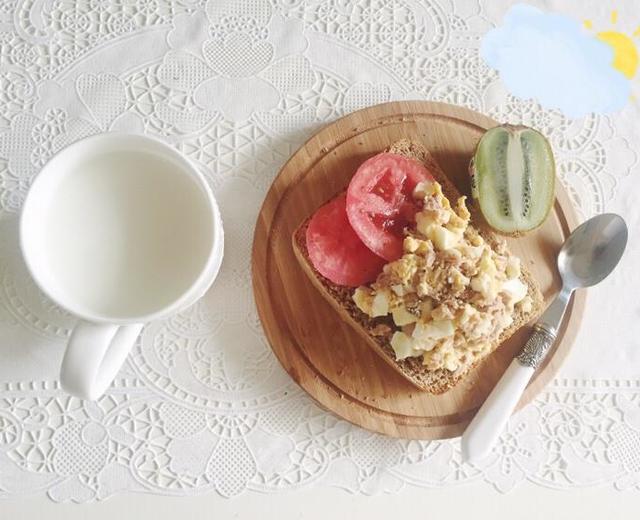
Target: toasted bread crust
column 340, row 297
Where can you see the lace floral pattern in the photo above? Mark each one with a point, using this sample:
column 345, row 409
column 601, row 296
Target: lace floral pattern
column 202, row 404
column 135, row 440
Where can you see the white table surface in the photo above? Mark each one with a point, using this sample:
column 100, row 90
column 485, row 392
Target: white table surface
column 528, row 502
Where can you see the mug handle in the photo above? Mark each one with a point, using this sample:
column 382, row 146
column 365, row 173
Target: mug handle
column 95, row 353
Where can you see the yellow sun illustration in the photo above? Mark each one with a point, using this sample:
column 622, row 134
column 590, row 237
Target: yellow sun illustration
column 625, row 51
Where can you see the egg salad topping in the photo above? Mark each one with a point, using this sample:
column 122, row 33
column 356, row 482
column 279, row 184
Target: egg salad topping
column 451, row 294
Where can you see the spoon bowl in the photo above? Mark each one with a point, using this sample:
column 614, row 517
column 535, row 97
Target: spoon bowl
column 592, row 251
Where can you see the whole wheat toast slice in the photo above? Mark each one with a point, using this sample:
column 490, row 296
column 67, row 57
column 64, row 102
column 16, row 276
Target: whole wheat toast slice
column 341, row 297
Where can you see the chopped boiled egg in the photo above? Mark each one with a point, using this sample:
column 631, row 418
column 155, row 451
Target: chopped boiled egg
column 515, row 289
column 401, row 316
column 513, row 267
column 485, row 285
column 424, row 189
column 436, row 329
column 380, row 304
column 444, row 239
column 402, row 345
column 363, row 298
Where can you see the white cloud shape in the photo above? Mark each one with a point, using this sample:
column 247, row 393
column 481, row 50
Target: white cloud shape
column 550, row 58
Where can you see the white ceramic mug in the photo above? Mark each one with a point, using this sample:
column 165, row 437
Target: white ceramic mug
column 118, row 230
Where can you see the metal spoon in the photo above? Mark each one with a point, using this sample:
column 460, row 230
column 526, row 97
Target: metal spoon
column 586, row 258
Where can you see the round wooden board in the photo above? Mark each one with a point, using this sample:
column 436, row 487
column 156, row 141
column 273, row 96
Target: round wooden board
column 323, row 354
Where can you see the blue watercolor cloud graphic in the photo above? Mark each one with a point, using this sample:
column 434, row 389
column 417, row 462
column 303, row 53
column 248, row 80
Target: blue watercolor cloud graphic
column 549, row 58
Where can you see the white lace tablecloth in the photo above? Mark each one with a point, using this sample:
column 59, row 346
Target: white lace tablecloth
column 202, row 404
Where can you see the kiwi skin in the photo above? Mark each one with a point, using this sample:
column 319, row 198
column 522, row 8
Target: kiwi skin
column 474, row 187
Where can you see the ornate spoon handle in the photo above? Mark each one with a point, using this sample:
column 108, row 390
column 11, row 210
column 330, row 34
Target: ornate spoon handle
column 487, row 425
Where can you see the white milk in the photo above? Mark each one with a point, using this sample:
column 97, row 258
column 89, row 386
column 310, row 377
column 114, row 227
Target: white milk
column 126, row 233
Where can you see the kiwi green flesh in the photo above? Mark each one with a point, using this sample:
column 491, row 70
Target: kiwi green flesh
column 513, row 178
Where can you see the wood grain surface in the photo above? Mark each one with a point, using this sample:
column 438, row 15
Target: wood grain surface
column 322, row 353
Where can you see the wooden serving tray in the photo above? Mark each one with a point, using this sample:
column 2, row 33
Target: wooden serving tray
column 322, row 353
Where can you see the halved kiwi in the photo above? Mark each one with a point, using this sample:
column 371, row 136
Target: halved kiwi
column 513, row 178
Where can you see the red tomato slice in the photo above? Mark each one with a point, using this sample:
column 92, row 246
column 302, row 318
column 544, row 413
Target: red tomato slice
column 379, row 201
column 335, row 249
